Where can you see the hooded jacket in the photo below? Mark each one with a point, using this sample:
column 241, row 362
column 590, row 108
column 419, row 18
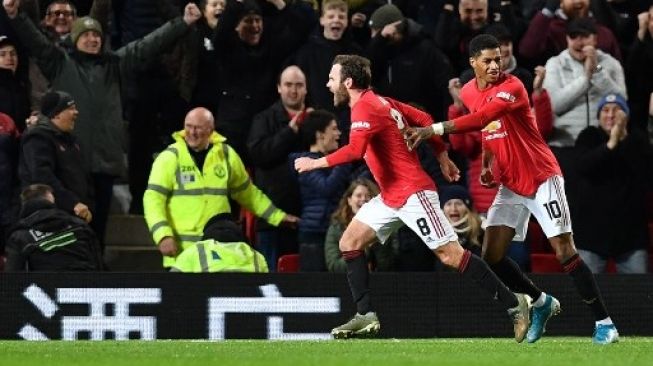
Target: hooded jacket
column 49, row 239
column 95, row 82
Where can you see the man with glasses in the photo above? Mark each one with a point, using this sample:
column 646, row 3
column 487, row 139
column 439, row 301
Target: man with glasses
column 59, row 17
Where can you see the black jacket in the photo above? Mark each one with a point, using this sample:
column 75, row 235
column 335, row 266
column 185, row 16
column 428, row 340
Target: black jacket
column 610, row 215
column 315, row 59
column 414, row 71
column 248, row 74
column 269, row 143
column 49, row 239
column 50, row 156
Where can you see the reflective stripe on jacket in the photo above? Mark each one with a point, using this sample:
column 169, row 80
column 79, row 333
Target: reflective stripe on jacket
column 213, row 256
column 180, row 198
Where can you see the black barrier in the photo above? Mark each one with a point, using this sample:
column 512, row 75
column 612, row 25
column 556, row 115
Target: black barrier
column 286, row 306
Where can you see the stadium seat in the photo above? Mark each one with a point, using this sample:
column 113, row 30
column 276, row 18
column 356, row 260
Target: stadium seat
column 545, row 263
column 288, row 263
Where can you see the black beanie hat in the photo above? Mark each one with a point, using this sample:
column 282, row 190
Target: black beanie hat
column 55, row 102
column 454, row 191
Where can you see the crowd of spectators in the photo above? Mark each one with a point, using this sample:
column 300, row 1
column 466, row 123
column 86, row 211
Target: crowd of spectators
column 92, row 93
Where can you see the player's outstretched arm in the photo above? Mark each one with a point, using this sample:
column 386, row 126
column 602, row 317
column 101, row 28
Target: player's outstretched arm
column 306, row 164
column 415, row 135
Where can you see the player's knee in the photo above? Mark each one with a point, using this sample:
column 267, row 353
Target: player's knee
column 450, row 254
column 563, row 246
column 348, row 243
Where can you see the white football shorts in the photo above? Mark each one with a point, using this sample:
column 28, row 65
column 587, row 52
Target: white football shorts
column 549, row 206
column 421, row 213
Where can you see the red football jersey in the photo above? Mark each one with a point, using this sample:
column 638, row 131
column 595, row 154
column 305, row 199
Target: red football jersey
column 376, row 135
column 509, row 130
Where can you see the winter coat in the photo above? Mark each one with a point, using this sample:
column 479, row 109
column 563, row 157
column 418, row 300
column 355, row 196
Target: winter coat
column 53, row 157
column 94, row 81
column 49, row 239
column 270, row 142
column 547, row 37
column 248, row 74
column 415, row 71
column 315, row 59
column 574, row 97
column 321, row 190
column 610, row 215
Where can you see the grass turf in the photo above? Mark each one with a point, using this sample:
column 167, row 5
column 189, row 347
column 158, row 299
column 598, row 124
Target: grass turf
column 631, row 351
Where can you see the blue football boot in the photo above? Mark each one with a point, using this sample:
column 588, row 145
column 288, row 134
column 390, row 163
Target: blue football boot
column 540, row 315
column 605, row 334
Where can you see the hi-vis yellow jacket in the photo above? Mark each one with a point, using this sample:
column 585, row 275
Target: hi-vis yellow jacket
column 180, row 198
column 214, row 256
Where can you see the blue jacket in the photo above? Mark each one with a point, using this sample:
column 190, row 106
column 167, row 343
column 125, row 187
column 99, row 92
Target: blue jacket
column 320, row 190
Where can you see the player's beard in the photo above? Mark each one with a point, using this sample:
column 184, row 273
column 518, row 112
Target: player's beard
column 341, row 96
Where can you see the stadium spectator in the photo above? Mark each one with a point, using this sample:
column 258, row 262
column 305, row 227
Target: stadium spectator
column 546, row 32
column 93, row 78
column 320, row 189
column 50, row 154
column 49, row 239
column 616, row 164
column 56, row 26
column 406, row 63
column 59, row 18
column 577, row 78
column 9, row 138
column 638, row 69
column 499, row 107
column 14, row 89
column 455, row 29
column 192, row 181
column 380, row 257
column 407, row 196
column 252, row 51
column 457, row 207
column 150, row 97
column 196, row 69
column 328, row 40
column 273, row 136
column 223, row 248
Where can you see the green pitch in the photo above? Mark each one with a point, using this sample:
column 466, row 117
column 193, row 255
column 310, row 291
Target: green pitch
column 631, row 351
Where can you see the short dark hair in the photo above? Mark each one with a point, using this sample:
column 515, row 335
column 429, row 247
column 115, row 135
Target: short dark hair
column 224, row 229
column 316, row 121
column 355, row 67
column 35, row 191
column 482, row 42
column 62, row 2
